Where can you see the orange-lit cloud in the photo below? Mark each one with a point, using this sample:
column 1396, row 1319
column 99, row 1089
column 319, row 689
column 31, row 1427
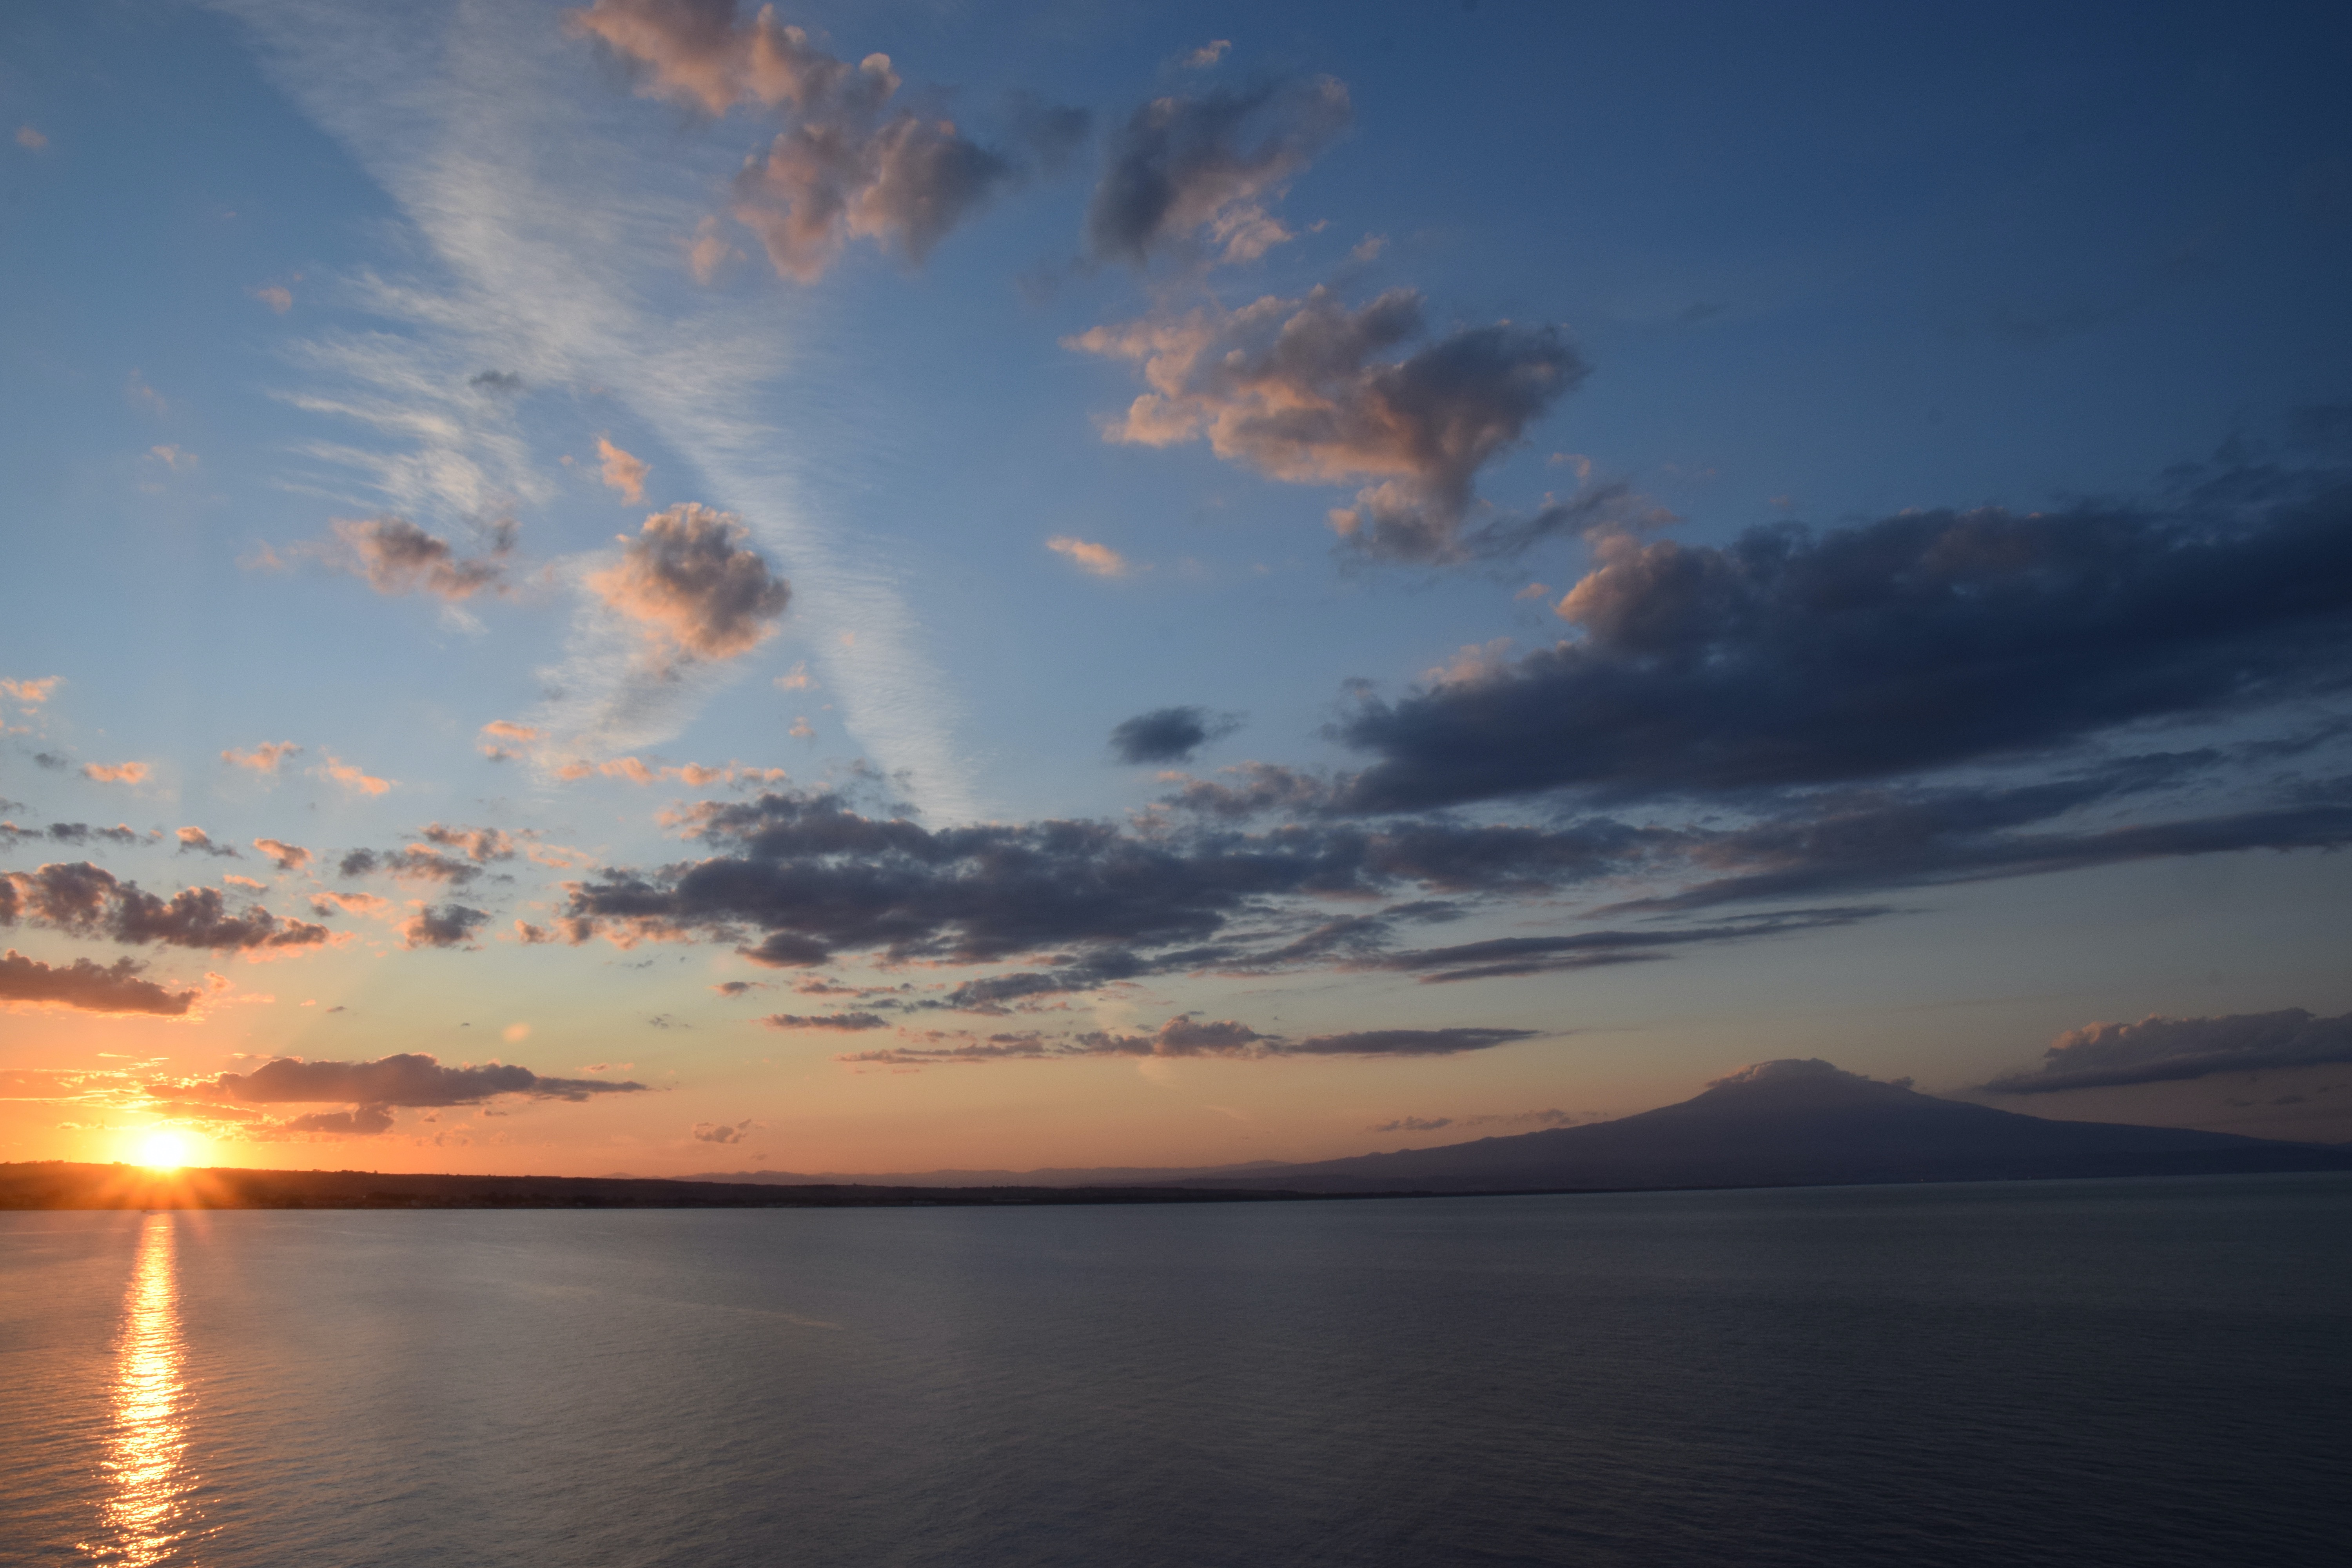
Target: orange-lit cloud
column 86, row 901
column 398, row 557
column 622, row 472
column 1303, row 390
column 276, row 296
column 30, row 693
column 503, row 741
column 353, row 778
column 117, row 773
column 264, row 758
column 709, row 251
column 797, row 678
column 289, row 857
column 30, row 139
column 693, row 580
column 197, row 840
column 1099, row 559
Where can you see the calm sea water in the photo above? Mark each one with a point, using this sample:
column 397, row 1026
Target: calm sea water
column 2143, row 1373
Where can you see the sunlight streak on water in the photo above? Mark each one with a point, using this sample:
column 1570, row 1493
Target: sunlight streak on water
column 146, row 1510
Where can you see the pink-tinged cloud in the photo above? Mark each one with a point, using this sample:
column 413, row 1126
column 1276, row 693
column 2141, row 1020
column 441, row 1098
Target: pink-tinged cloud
column 1305, row 390
column 692, row 579
column 326, row 905
column 1194, row 175
column 276, row 296
column 622, row 472
column 1099, row 559
column 87, row 986
column 197, row 841
column 30, row 693
column 847, row 168
column 353, row 778
column 398, row 557
column 265, row 758
column 116, row 773
column 503, row 741
column 30, row 139
column 797, row 678
column 709, row 251
column 287, row 857
column 1208, row 54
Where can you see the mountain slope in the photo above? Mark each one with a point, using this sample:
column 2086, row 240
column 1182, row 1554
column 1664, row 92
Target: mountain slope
column 1788, row 1124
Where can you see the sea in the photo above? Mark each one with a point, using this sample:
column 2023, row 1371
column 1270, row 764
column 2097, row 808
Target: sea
column 2143, row 1373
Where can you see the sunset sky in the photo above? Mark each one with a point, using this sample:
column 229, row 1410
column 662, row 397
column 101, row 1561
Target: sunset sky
column 667, row 587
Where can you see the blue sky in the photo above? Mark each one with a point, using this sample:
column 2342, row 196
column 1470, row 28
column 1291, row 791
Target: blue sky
column 1838, row 512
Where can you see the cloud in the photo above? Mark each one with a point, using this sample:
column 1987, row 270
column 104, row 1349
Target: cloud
column 197, row 839
column 1412, row 1124
column 117, row 773
column 408, row 1078
column 1099, row 559
column 360, row 1121
column 264, row 758
column 479, row 845
column 72, row 833
column 81, row 899
column 398, row 557
column 1187, row 1037
column 803, row 877
column 353, row 778
column 849, row 1022
column 1170, row 735
column 692, row 579
column 1791, row 657
column 1207, row 55
column 2165, row 1050
column 447, row 926
column 847, row 168
column 289, row 857
column 623, row 472
column 1181, row 165
column 326, row 905
column 504, row 740
column 89, row 987
column 276, row 296
column 723, row 1131
column 1303, row 390
column 31, row 693
column 505, row 383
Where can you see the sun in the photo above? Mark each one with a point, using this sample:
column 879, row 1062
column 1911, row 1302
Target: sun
column 163, row 1151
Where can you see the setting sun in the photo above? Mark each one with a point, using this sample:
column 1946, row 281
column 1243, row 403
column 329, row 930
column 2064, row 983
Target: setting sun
column 163, row 1150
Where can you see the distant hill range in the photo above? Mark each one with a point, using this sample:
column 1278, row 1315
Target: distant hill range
column 1782, row 1124
column 1785, row 1123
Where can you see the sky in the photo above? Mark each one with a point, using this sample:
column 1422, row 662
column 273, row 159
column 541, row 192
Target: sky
column 667, row 587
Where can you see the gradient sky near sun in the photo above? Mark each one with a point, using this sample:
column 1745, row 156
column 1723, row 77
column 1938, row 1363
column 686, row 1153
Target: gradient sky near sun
column 673, row 587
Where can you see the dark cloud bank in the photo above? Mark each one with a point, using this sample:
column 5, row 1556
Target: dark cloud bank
column 1930, row 698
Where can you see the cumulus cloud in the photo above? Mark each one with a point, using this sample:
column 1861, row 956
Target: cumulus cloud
column 1099, row 559
column 723, row 1131
column 80, row 898
column 623, row 472
column 1795, row 658
column 30, row 693
column 1303, row 391
column 1193, row 175
column 116, row 773
column 692, row 579
column 360, row 1121
column 1170, row 735
column 2163, row 1050
column 1207, row 55
column 849, row 166
column 264, row 758
column 504, row 740
column 447, row 926
column 287, row 857
column 197, row 840
column 89, row 987
column 398, row 557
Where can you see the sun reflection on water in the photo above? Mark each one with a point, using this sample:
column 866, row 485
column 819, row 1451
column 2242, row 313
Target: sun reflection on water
column 149, row 1510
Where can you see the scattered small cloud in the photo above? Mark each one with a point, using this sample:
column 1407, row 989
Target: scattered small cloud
column 623, row 472
column 450, row 925
column 723, row 1131
column 264, row 758
column 352, row 777
column 276, row 296
column 87, row 987
column 1170, row 735
column 1099, row 559
column 116, row 773
column 692, row 578
column 196, row 840
column 287, row 856
column 30, row 139
column 1207, row 55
